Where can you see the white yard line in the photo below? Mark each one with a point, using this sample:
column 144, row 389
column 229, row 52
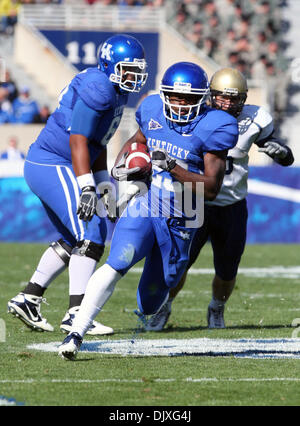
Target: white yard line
column 292, row 272
column 186, row 380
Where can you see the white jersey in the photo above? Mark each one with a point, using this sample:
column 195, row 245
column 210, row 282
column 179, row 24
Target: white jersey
column 255, row 125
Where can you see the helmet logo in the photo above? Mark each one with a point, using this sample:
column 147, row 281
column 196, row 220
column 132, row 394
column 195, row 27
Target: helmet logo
column 231, row 91
column 182, row 87
column 105, row 51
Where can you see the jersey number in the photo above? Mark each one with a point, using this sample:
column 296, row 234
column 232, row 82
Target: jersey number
column 166, row 183
column 111, row 130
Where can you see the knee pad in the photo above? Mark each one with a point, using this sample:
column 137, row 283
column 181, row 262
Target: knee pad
column 63, row 250
column 89, row 249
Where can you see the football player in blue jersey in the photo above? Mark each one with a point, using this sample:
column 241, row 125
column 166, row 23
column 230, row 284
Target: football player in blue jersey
column 66, row 164
column 225, row 220
column 188, row 142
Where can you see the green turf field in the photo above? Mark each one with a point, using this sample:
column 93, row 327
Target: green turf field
column 262, row 306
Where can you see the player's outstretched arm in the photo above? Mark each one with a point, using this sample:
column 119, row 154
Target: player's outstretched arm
column 279, row 152
column 81, row 165
column 80, row 154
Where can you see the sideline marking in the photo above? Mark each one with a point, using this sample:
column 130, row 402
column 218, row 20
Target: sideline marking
column 240, row 348
column 187, row 379
column 279, row 272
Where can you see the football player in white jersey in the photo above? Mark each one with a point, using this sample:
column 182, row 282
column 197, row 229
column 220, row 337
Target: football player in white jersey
column 225, row 220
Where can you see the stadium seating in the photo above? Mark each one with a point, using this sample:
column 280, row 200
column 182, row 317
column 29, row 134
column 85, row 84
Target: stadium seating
column 243, row 34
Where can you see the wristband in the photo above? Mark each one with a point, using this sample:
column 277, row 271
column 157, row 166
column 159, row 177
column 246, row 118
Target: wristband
column 101, row 176
column 85, row 180
column 171, row 165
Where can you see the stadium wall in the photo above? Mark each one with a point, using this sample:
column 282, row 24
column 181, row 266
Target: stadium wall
column 42, row 61
column 273, row 204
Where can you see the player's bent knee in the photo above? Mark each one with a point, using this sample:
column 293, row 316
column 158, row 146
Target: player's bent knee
column 89, row 249
column 63, row 250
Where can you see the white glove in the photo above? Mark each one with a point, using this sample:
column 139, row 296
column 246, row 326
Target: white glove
column 110, row 205
column 274, row 150
column 120, row 172
column 160, row 158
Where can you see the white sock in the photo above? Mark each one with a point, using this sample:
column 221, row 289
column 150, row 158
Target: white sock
column 99, row 289
column 215, row 303
column 81, row 268
column 49, row 267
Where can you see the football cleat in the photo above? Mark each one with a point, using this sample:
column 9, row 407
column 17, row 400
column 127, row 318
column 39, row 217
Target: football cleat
column 27, row 307
column 70, row 346
column 157, row 321
column 142, row 319
column 215, row 317
column 96, row 329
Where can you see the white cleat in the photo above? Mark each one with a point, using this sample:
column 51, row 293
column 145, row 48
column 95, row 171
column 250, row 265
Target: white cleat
column 70, row 346
column 157, row 321
column 96, row 329
column 27, row 308
column 215, row 317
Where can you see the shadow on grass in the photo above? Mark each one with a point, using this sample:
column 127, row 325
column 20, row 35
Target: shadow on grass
column 177, row 329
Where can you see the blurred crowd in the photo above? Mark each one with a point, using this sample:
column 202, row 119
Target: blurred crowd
column 9, row 8
column 155, row 3
column 244, row 34
column 17, row 105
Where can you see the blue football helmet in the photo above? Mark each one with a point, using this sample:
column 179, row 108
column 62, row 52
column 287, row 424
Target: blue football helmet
column 122, row 58
column 189, row 82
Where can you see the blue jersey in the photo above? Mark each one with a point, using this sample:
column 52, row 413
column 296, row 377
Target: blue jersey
column 93, row 89
column 212, row 130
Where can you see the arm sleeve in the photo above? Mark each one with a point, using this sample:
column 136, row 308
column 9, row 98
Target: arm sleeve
column 84, row 119
column 96, row 94
column 138, row 117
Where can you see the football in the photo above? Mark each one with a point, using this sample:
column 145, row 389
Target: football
column 138, row 156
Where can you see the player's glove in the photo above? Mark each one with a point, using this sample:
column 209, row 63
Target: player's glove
column 274, row 150
column 120, row 172
column 160, row 158
column 87, row 203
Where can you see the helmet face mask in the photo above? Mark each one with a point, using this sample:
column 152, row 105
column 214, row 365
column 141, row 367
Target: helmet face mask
column 233, row 104
column 122, row 59
column 130, row 76
column 228, row 91
column 183, row 90
column 181, row 108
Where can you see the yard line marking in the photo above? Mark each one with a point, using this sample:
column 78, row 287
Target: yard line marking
column 185, row 380
column 272, row 348
column 292, row 272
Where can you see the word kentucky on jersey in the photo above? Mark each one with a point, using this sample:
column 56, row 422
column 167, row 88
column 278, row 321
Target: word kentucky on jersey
column 173, row 150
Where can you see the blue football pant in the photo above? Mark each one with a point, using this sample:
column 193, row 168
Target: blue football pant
column 137, row 238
